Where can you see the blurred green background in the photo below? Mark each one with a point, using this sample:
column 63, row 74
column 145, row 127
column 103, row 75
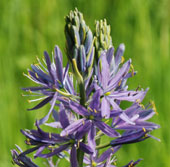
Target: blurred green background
column 29, row 27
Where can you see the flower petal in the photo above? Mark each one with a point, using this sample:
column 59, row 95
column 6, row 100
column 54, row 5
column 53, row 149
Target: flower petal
column 73, row 157
column 79, row 109
column 72, row 127
column 106, row 129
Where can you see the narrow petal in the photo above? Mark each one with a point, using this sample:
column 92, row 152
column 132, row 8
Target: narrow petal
column 63, row 117
column 55, row 151
column 132, row 96
column 125, row 118
column 73, row 157
column 53, row 101
column 91, row 138
column 72, row 127
column 119, row 75
column 79, row 109
column 83, row 129
column 42, row 103
column 95, row 103
column 105, row 108
column 106, row 129
column 119, row 54
column 85, row 148
column 59, row 63
column 107, row 153
column 48, row 61
column 105, row 73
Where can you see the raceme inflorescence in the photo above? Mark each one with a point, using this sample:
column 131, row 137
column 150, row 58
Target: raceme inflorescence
column 85, row 99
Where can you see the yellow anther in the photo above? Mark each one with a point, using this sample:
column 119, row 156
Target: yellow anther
column 36, row 75
column 131, row 164
column 95, row 110
column 29, row 75
column 49, row 135
column 154, row 107
column 122, row 59
column 29, row 101
column 144, row 129
column 83, row 122
column 138, row 101
column 36, row 64
column 30, row 91
column 146, row 135
column 132, row 69
column 141, row 105
column 28, row 141
column 114, row 163
column 90, row 109
column 112, row 149
column 107, row 93
column 120, row 82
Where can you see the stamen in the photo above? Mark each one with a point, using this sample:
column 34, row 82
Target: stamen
column 28, row 141
column 95, row 110
column 107, row 93
column 154, row 107
column 122, row 59
column 36, row 75
column 144, row 129
column 49, row 135
column 90, row 109
column 120, row 82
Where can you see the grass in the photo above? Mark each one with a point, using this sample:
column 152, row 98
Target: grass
column 27, row 28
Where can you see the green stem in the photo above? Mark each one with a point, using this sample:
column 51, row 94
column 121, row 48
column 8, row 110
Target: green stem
column 80, row 153
column 103, row 146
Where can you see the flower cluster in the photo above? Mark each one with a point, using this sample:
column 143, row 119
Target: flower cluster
column 86, row 101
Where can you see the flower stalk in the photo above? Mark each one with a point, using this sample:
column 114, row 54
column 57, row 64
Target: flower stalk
column 85, row 106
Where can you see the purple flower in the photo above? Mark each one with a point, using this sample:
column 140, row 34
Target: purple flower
column 138, row 115
column 50, row 79
column 21, row 159
column 105, row 159
column 92, row 118
column 111, row 84
column 132, row 163
column 130, row 137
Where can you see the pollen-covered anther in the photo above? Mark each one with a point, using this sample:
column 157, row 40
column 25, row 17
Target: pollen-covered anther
column 153, row 106
column 90, row 109
column 107, row 93
column 95, row 110
column 144, row 129
column 122, row 59
column 28, row 141
column 132, row 69
column 120, row 82
column 36, row 75
column 49, row 135
column 83, row 122
column 138, row 101
column 131, row 165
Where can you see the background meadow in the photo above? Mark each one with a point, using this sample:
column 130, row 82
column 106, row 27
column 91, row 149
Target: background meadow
column 29, row 27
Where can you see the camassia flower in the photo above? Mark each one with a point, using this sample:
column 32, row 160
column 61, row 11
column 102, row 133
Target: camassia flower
column 86, row 102
column 92, row 118
column 109, row 83
column 43, row 140
column 51, row 80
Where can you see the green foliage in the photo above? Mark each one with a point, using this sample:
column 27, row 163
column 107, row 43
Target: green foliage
column 27, row 28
